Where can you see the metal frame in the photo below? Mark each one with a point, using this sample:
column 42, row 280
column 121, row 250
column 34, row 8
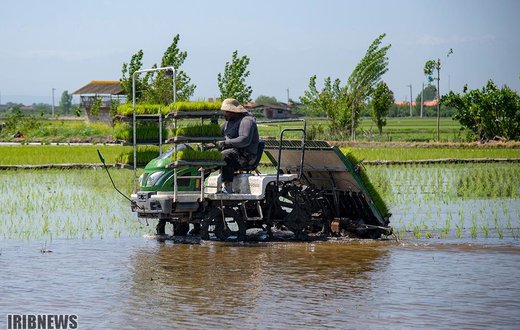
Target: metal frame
column 174, row 77
column 304, row 136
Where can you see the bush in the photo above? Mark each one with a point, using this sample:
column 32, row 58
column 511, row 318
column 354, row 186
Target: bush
column 490, row 112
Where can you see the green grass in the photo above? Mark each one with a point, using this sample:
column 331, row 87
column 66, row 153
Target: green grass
column 398, row 129
column 47, row 131
column 411, row 129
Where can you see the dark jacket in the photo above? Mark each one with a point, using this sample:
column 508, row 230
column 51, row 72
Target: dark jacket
column 241, row 134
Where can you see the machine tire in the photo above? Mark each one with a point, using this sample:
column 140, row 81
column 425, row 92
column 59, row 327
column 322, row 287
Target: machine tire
column 214, row 223
column 181, row 229
column 160, row 229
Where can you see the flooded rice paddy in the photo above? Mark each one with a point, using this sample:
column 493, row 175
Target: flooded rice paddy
column 70, row 245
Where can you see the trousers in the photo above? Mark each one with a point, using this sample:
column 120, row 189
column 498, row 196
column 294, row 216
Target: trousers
column 235, row 159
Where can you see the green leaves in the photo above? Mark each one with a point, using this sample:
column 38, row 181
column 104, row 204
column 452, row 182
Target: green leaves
column 157, row 87
column 491, row 112
column 331, row 100
column 232, row 83
column 430, row 66
column 382, row 100
column 136, row 63
column 343, row 104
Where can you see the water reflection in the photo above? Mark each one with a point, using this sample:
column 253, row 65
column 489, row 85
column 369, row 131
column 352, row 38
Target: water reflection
column 220, row 285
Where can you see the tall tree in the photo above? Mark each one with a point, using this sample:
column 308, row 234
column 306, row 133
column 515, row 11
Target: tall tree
column 382, row 100
column 65, row 102
column 344, row 104
column 161, row 88
column 365, row 77
column 136, row 63
column 232, row 83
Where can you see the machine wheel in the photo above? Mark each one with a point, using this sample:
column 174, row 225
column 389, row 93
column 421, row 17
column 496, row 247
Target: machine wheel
column 160, row 229
column 293, row 202
column 181, row 228
column 231, row 226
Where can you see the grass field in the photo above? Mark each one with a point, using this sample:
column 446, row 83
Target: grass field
column 65, row 154
column 397, row 129
column 412, row 129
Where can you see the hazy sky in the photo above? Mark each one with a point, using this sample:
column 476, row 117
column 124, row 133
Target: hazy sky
column 65, row 44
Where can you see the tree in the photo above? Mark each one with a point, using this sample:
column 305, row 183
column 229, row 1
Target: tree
column 365, row 77
column 66, row 102
column 490, row 112
column 161, row 87
column 266, row 100
column 344, row 104
column 331, row 100
column 429, row 67
column 382, row 100
column 136, row 63
column 429, row 93
column 232, row 83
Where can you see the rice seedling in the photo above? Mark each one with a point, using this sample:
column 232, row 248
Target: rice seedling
column 474, row 228
column 498, row 228
column 127, row 109
column 62, row 154
column 43, row 213
column 194, row 106
column 197, row 155
column 458, row 230
column 422, row 153
column 512, row 230
column 417, row 232
column 445, row 231
column 198, row 130
column 145, row 132
column 144, row 155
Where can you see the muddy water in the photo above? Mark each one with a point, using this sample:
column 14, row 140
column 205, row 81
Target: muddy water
column 70, row 245
column 142, row 283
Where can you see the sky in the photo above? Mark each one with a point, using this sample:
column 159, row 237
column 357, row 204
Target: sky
column 65, row 44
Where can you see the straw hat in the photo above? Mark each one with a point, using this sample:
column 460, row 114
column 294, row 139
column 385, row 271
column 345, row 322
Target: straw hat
column 232, row 105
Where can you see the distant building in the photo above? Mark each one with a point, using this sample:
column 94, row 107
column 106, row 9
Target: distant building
column 431, row 103
column 270, row 111
column 105, row 92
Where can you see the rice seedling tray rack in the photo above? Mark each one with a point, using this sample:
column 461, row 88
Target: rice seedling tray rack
column 194, row 114
column 202, row 163
column 213, row 115
column 196, row 139
column 122, row 118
